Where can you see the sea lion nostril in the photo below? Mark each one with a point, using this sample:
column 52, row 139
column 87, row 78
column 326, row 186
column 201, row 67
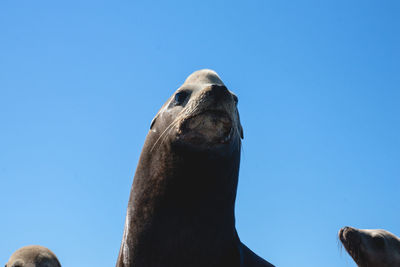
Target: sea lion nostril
column 218, row 90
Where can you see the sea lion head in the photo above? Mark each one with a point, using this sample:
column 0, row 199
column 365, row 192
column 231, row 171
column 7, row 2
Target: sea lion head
column 33, row 256
column 371, row 247
column 201, row 115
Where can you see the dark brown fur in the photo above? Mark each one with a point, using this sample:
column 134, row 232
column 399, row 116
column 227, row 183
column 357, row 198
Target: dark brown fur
column 181, row 207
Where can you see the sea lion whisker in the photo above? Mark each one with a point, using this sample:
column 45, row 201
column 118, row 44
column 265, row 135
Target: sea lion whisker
column 166, row 135
column 189, row 114
column 339, row 244
column 163, row 133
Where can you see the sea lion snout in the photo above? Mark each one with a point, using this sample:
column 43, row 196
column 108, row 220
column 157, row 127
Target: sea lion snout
column 216, row 97
column 209, row 115
column 213, row 117
column 218, row 91
column 349, row 235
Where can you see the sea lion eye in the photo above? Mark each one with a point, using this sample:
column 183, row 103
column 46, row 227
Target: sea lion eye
column 180, row 97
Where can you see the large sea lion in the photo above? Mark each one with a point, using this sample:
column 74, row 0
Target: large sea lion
column 33, row 256
column 181, row 206
column 371, row 247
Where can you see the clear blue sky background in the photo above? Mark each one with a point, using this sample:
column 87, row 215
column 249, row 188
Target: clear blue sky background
column 318, row 83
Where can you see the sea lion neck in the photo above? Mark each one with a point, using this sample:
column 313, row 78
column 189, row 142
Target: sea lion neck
column 182, row 202
column 201, row 183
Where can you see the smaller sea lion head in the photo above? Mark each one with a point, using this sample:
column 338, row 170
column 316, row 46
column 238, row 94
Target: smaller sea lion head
column 33, row 256
column 371, row 247
column 202, row 114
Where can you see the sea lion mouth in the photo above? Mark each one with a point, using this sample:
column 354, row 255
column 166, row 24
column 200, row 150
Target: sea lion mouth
column 210, row 127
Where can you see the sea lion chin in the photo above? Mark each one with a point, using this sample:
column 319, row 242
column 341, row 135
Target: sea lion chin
column 209, row 128
column 181, row 206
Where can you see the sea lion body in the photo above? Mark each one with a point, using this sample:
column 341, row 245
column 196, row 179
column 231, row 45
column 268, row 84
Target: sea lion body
column 181, row 206
column 33, row 256
column 371, row 247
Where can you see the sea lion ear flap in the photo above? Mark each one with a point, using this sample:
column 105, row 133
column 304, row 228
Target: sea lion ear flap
column 239, row 125
column 241, row 131
column 153, row 121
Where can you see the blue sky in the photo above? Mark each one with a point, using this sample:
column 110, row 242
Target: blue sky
column 318, row 87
